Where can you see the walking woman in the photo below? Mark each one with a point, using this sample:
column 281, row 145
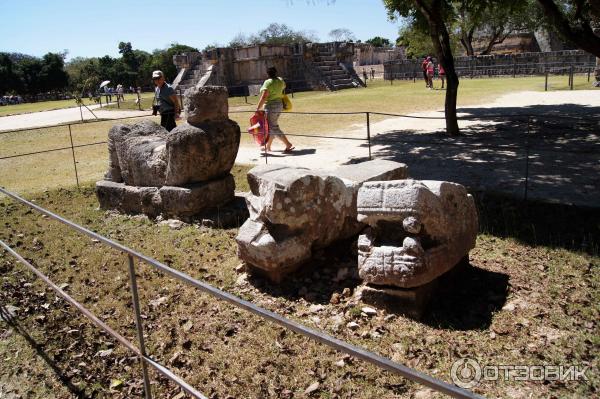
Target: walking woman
column 271, row 94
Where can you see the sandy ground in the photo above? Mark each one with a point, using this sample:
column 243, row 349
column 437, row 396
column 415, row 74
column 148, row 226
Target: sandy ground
column 65, row 115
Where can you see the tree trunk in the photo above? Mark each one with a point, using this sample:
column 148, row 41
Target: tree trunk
column 441, row 43
column 581, row 36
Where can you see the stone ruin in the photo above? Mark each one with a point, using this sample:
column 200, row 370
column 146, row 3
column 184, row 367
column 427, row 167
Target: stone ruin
column 176, row 174
column 294, row 211
column 418, row 231
column 412, row 233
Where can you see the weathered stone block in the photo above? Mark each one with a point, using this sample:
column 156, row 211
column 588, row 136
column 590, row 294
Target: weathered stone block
column 418, row 230
column 128, row 199
column 190, row 200
column 206, row 103
column 295, row 210
column 137, row 154
column 196, row 154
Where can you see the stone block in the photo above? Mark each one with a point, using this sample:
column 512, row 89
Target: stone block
column 192, row 199
column 196, row 154
column 418, row 230
column 128, row 199
column 206, row 103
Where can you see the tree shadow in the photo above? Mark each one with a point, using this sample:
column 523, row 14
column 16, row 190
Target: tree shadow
column 39, row 349
column 552, row 156
column 505, row 155
column 467, row 299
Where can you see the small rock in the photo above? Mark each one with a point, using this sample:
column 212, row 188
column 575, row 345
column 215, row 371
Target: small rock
column 347, row 292
column 312, row 388
column 242, row 279
column 175, row 224
column 352, row 325
column 335, row 298
column 337, row 322
column 369, row 311
column 389, row 317
column 105, row 353
column 509, row 307
column 315, row 308
column 340, row 363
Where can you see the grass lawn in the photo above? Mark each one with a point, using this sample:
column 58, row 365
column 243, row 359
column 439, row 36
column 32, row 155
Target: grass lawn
column 531, row 297
column 40, row 106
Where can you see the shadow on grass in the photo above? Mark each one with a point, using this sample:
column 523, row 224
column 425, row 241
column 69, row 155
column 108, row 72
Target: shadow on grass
column 331, row 270
column 39, row 349
column 467, row 300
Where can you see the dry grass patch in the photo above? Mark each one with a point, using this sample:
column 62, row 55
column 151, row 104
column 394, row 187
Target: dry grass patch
column 530, row 298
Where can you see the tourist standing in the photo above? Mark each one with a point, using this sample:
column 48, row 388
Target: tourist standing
column 372, row 73
column 165, row 101
column 271, row 94
column 430, row 72
column 365, row 77
column 424, row 69
column 441, row 74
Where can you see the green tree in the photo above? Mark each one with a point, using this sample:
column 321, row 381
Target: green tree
column 379, row 41
column 52, row 73
column 9, row 80
column 275, row 34
column 574, row 20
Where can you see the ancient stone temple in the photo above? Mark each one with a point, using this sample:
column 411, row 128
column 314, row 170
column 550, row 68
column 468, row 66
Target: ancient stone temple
column 175, row 174
column 294, row 211
column 418, row 231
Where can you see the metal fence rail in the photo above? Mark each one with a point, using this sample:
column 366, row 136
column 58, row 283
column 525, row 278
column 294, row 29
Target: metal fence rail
column 321, row 337
column 527, row 144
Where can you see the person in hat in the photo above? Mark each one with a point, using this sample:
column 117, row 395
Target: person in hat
column 166, row 100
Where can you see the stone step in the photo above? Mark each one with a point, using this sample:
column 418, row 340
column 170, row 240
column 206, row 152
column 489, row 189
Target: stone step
column 341, row 81
column 327, row 63
column 344, row 86
column 326, row 58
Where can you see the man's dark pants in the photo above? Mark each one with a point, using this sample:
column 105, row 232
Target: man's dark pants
column 167, row 120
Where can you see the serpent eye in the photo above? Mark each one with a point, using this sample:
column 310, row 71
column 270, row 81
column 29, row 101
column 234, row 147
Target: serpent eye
column 412, row 225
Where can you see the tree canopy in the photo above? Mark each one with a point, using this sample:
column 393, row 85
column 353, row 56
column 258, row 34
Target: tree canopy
column 342, row 35
column 275, row 34
column 379, row 41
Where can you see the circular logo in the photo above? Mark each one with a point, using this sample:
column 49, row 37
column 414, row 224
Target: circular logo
column 466, row 373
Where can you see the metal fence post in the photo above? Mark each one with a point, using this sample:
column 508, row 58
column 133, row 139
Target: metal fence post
column 138, row 325
column 546, row 82
column 369, row 133
column 589, row 72
column 139, row 100
column 571, row 77
column 73, row 153
column 527, row 159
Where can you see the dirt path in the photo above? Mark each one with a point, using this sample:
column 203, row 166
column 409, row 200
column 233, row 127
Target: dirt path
column 65, row 115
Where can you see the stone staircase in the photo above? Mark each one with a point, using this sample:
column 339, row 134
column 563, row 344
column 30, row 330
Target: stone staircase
column 191, row 77
column 334, row 76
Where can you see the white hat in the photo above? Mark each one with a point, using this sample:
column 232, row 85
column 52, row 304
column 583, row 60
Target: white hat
column 157, row 74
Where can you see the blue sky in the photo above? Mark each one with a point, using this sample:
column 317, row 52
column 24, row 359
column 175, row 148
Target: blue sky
column 95, row 28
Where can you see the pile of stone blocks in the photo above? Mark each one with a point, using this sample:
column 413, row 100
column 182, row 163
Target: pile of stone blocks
column 294, row 211
column 418, row 232
column 175, row 174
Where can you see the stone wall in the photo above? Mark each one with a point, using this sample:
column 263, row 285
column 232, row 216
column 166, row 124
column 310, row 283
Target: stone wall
column 366, row 54
column 502, row 64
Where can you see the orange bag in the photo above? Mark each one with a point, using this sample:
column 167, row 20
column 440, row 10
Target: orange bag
column 259, row 128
